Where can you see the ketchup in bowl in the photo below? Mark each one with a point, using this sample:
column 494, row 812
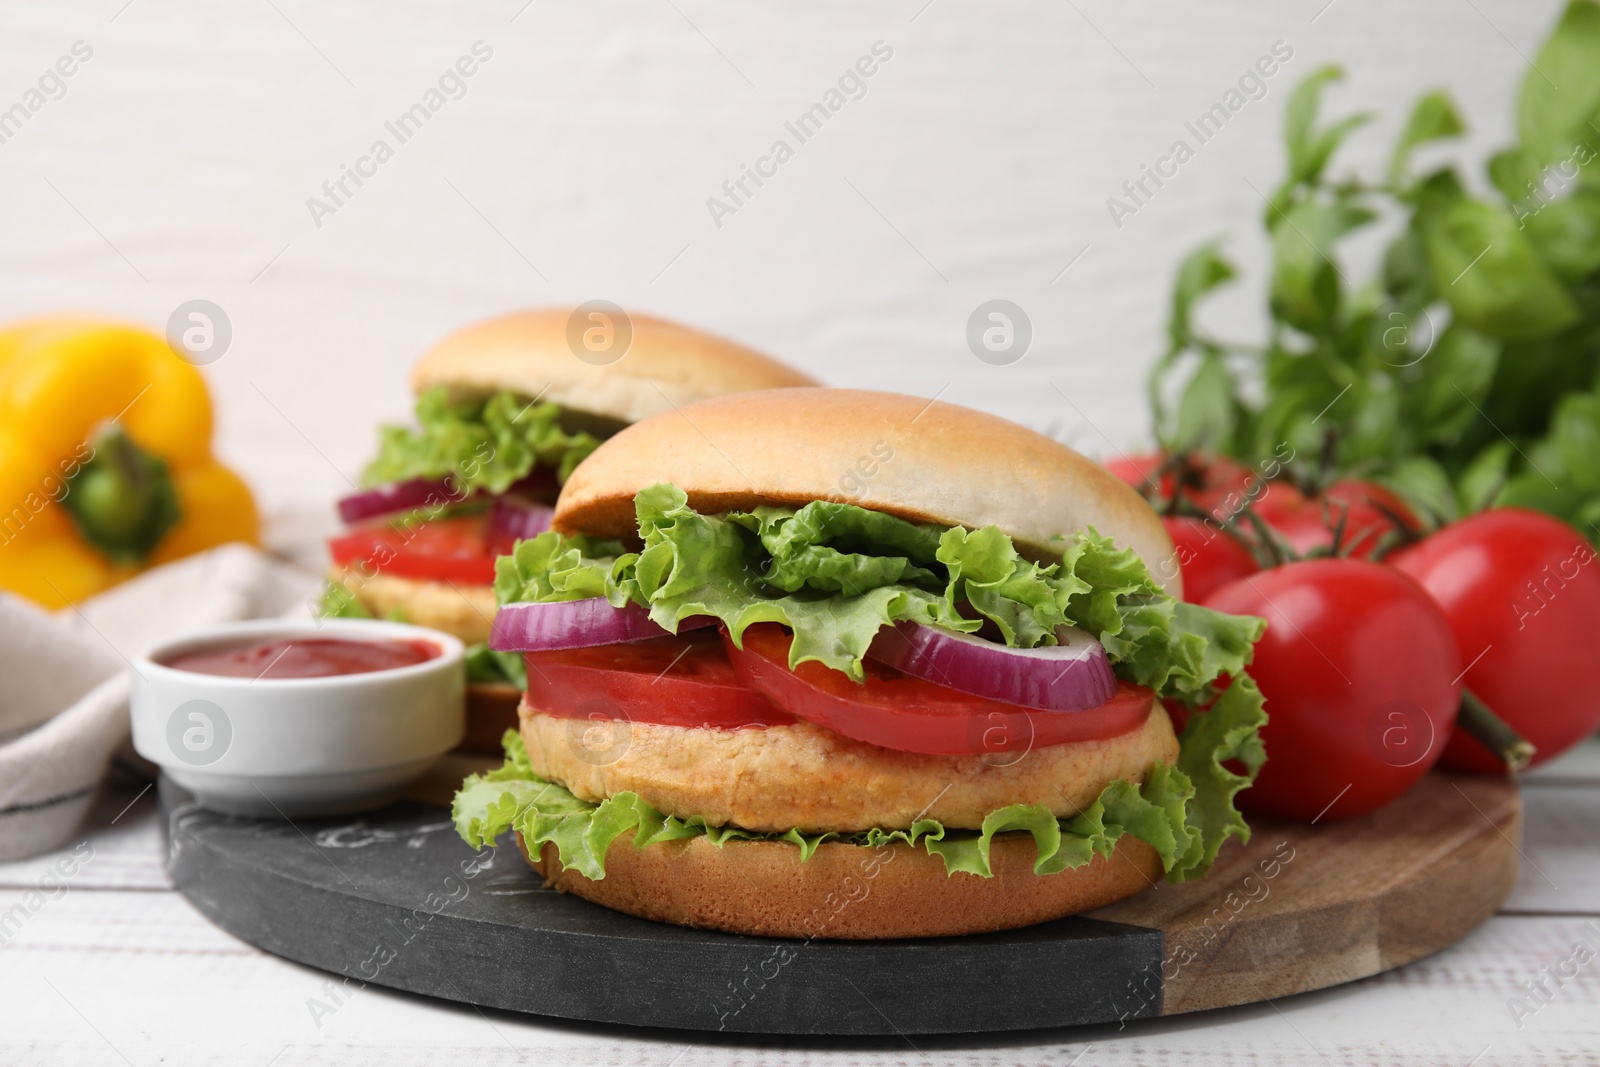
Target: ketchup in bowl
column 306, row 657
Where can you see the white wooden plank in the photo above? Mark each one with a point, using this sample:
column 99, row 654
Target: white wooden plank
column 158, row 982
column 1577, row 765
column 1560, row 851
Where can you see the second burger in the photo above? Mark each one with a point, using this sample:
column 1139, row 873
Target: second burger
column 506, row 408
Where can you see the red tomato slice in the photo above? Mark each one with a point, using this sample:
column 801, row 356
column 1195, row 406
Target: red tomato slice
column 454, row 549
column 672, row 681
column 895, row 710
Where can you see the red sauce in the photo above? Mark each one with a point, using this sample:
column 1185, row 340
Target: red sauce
column 309, row 657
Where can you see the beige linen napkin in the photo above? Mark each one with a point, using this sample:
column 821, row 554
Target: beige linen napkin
column 64, row 678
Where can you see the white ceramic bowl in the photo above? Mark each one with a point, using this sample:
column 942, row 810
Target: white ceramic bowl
column 298, row 747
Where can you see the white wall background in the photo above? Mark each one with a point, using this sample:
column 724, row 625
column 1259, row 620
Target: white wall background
column 577, row 166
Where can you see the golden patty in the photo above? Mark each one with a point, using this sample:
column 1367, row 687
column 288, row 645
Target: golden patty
column 803, row 775
column 462, row 610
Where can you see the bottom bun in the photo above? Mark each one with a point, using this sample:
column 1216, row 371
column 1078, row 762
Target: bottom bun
column 846, row 891
column 491, row 711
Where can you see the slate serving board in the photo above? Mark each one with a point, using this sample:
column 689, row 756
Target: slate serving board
column 395, row 898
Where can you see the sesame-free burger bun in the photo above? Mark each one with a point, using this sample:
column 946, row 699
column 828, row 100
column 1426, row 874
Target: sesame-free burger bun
column 926, row 461
column 535, row 354
column 847, row 891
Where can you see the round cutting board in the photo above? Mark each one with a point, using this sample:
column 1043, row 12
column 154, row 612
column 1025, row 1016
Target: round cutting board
column 396, row 899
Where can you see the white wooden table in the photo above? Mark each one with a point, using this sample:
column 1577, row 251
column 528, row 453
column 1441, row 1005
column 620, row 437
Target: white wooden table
column 118, row 968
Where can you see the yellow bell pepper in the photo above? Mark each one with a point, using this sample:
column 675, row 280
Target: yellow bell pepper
column 105, row 460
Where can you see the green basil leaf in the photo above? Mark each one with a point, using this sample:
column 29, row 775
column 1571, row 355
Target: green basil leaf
column 1481, row 482
column 1448, row 387
column 1405, row 269
column 1425, row 485
column 1433, row 118
column 1310, row 148
column 1575, row 432
column 1516, row 173
column 1490, row 273
column 1305, row 282
column 1201, row 271
column 1206, row 410
column 1561, row 90
column 1566, row 233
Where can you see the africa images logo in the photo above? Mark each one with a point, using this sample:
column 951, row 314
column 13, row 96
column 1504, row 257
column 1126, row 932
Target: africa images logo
column 199, row 732
column 852, row 85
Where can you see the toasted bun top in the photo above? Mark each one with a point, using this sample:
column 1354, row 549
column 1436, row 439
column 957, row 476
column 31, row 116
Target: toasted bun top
column 926, row 461
column 661, row 366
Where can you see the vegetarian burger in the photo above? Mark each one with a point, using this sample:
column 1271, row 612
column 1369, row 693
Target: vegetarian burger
column 505, row 410
column 820, row 662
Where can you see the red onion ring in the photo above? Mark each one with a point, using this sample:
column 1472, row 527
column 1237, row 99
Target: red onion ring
column 513, row 519
column 1074, row 675
column 400, row 496
column 529, row 627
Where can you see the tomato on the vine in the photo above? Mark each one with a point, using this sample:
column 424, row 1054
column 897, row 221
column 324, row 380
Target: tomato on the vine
column 1207, row 482
column 1360, row 674
column 1522, row 593
column 1369, row 512
column 1208, row 556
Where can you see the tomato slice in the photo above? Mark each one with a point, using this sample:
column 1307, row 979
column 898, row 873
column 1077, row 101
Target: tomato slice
column 672, row 681
column 895, row 710
column 456, row 548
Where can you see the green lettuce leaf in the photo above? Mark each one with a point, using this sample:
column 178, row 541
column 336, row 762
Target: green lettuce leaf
column 338, row 601
column 482, row 444
column 485, row 666
column 1229, row 730
column 1185, row 812
column 836, row 574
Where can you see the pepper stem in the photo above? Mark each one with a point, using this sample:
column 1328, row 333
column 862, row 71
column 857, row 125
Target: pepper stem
column 122, row 499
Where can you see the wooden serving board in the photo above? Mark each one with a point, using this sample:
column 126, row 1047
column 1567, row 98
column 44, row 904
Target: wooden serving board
column 395, row 898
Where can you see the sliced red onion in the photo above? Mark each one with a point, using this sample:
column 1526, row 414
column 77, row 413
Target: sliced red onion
column 539, row 483
column 400, row 496
column 1074, row 675
column 527, row 627
column 513, row 519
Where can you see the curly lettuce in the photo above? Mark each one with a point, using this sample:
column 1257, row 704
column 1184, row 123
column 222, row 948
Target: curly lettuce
column 835, row 574
column 1184, row 812
column 486, row 444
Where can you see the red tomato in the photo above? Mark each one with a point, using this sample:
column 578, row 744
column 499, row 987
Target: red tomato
column 1359, row 670
column 895, row 710
column 455, row 549
column 1206, row 481
column 1277, row 500
column 1307, row 523
column 673, row 681
column 1522, row 593
column 1208, row 556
